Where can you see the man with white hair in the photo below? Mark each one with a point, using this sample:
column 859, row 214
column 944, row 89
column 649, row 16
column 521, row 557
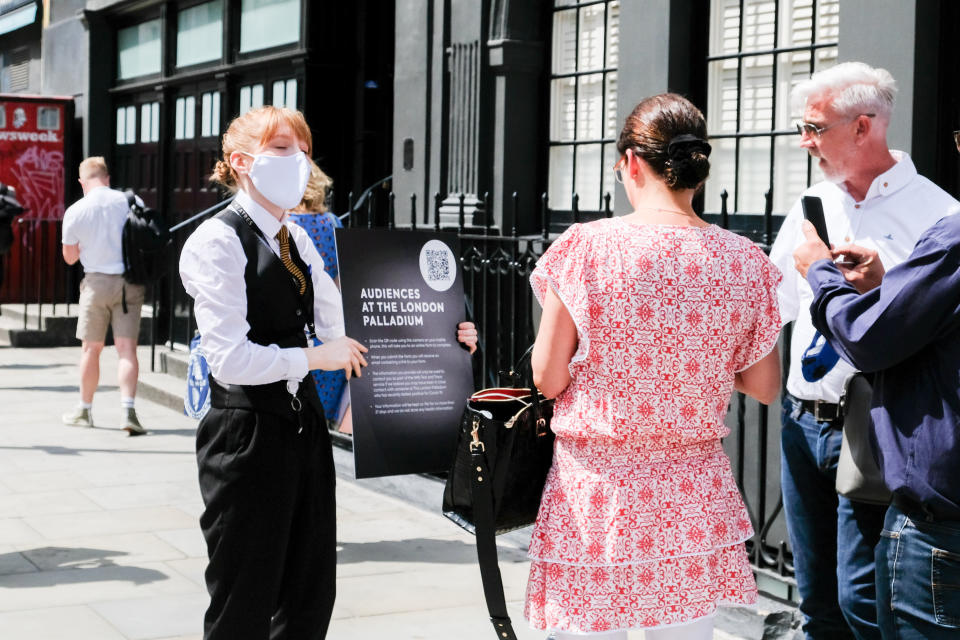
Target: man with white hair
column 873, row 197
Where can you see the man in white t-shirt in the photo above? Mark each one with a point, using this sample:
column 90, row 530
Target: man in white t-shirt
column 872, row 197
column 92, row 234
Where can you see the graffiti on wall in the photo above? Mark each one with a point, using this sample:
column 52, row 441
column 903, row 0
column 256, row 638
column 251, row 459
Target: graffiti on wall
column 40, row 175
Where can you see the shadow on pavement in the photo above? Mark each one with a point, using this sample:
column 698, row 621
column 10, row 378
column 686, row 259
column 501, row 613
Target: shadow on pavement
column 416, row 550
column 69, row 451
column 38, row 366
column 63, row 388
column 73, row 565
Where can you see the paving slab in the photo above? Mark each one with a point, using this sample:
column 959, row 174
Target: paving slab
column 148, row 618
column 57, row 623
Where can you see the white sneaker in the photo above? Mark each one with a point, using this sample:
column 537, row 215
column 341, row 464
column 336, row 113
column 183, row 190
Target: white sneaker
column 131, row 424
column 79, row 417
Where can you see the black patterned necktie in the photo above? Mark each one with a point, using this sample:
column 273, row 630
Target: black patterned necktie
column 283, row 237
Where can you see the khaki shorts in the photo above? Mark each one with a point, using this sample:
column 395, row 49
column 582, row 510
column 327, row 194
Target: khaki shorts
column 101, row 296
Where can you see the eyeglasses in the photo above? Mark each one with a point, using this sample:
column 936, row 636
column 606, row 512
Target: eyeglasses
column 814, row 131
column 956, row 138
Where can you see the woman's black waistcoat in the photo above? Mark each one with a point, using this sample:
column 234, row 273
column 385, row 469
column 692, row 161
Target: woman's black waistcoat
column 276, row 313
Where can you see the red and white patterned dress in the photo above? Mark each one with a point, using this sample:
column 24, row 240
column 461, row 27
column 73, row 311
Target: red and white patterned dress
column 641, row 523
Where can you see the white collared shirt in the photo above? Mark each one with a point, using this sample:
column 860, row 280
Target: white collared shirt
column 211, row 266
column 899, row 206
column 95, row 223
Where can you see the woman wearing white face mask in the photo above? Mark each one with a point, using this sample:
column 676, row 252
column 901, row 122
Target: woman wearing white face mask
column 263, row 450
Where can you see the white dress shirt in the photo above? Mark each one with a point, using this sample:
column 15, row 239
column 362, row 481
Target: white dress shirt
column 899, row 206
column 95, row 222
column 211, row 267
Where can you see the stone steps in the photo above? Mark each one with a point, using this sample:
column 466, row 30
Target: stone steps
column 50, row 325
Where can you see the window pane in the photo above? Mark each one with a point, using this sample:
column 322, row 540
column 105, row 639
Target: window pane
column 564, row 42
column 206, row 103
column 561, row 177
column 588, row 176
column 180, row 120
column 562, row 109
column 200, row 33
column 591, row 41
column 613, row 34
column 611, row 127
column 754, row 174
column 610, row 157
column 722, row 171
column 244, row 100
column 278, row 93
column 138, row 49
column 590, row 107
column 155, row 122
column 789, row 174
column 268, row 23
column 121, row 125
column 256, row 96
column 190, row 128
column 291, row 94
column 131, row 118
column 759, row 17
column 756, row 94
column 145, row 123
column 215, row 115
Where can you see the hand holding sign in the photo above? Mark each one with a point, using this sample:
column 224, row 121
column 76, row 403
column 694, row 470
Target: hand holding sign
column 343, row 353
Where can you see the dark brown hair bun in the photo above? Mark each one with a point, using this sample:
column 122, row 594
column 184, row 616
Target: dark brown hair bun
column 669, row 133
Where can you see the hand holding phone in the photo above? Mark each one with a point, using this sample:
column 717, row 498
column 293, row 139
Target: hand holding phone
column 813, row 211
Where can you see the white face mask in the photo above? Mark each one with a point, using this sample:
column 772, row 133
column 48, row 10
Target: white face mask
column 280, row 179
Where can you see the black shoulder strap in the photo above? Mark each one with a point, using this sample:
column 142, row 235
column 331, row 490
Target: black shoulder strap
column 233, row 220
column 131, row 198
column 482, row 489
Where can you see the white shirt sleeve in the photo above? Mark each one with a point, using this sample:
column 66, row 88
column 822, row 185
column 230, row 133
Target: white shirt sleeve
column 327, row 302
column 211, row 268
column 69, row 230
column 781, row 254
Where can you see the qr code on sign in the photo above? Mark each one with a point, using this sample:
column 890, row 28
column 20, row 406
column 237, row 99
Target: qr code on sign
column 438, row 265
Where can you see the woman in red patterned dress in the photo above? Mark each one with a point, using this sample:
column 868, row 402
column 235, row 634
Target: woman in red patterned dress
column 650, row 321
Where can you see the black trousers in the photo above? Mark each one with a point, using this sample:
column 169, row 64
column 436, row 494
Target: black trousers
column 269, row 524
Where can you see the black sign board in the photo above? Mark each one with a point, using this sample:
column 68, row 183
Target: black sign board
column 403, row 298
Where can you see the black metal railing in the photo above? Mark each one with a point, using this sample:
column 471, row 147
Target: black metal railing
column 34, row 271
column 496, row 263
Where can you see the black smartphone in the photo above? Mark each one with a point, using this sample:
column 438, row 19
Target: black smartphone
column 813, row 211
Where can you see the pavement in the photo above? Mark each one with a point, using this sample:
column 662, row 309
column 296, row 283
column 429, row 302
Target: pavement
column 99, row 534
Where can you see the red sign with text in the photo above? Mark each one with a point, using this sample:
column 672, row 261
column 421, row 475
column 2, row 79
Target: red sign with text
column 34, row 146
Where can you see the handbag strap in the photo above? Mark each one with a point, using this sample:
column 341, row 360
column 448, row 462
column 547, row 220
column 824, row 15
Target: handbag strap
column 482, row 489
column 525, row 366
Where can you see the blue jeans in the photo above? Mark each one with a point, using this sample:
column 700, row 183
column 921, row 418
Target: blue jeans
column 832, row 537
column 918, row 577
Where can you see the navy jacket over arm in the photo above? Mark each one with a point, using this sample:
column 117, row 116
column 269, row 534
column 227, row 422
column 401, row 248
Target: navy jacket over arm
column 906, row 331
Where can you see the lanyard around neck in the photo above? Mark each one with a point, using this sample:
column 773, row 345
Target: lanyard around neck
column 308, row 313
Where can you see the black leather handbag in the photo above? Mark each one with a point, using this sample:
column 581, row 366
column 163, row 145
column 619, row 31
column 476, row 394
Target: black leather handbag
column 504, row 451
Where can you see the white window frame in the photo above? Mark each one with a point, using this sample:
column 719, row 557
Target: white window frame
column 582, row 136
column 749, row 116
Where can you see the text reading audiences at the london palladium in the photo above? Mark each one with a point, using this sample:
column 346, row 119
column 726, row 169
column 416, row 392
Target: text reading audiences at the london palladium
column 394, row 377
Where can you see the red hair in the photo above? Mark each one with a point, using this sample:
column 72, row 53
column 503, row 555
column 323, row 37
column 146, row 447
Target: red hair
column 252, row 131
